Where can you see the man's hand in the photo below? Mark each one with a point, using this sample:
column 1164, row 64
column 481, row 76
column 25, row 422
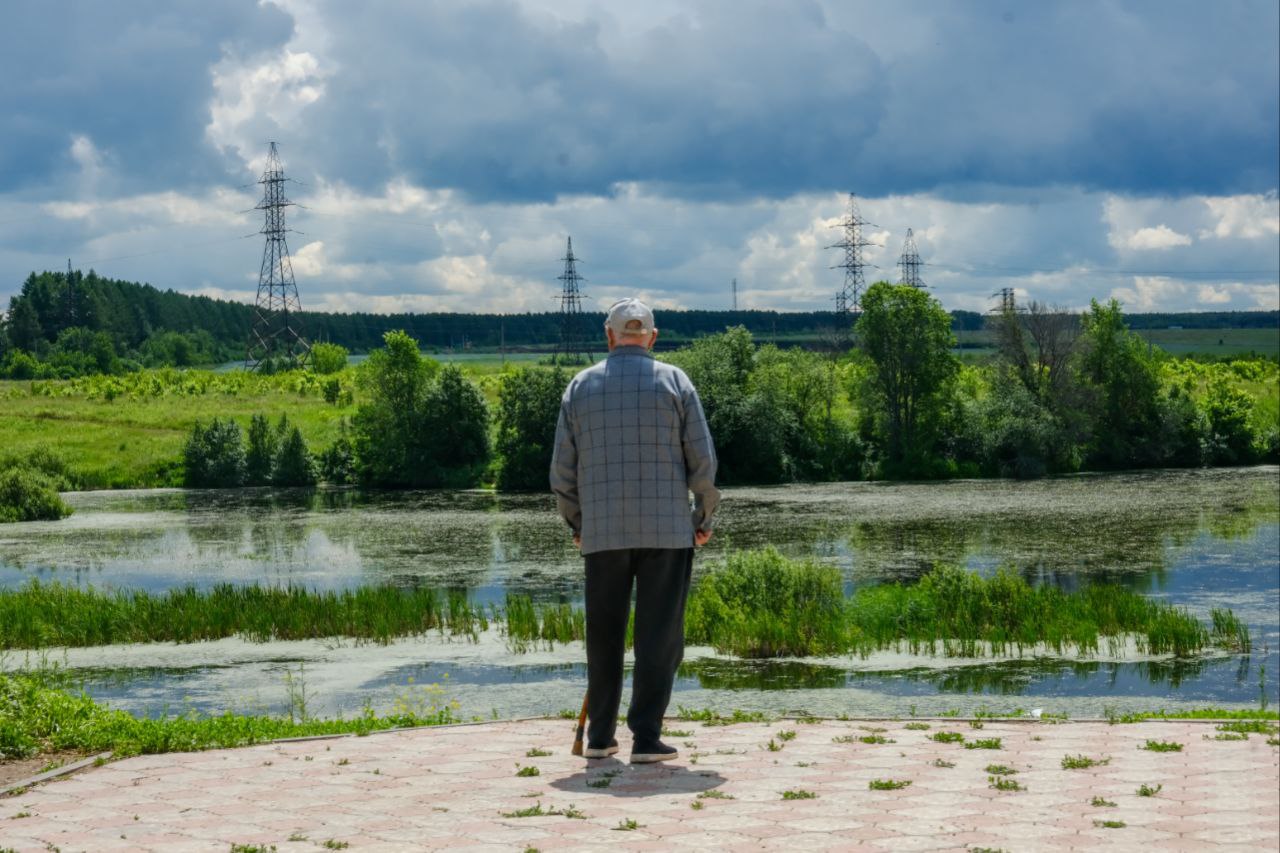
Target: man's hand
column 701, row 537
column 577, row 541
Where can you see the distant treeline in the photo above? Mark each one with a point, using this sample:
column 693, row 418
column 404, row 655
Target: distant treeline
column 82, row 322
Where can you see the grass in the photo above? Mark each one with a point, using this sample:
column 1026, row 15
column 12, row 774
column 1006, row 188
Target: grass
column 799, row 794
column 38, row 614
column 888, row 784
column 714, row 794
column 537, row 753
column 536, row 810
column 1099, row 802
column 627, row 824
column 757, row 604
column 529, row 770
column 1193, row 714
column 1257, row 727
column 1145, row 790
column 876, row 739
column 760, row 604
column 1082, row 762
column 709, row 717
column 1001, row 783
column 984, row 743
column 917, row 727
column 1161, row 746
column 38, row 715
column 947, row 737
column 942, row 762
column 128, row 431
column 1000, row 770
column 1110, row 824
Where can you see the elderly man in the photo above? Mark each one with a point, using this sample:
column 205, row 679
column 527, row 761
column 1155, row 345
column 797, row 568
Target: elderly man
column 631, row 444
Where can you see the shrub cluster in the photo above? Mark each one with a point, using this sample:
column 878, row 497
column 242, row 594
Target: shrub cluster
column 215, row 455
column 29, row 486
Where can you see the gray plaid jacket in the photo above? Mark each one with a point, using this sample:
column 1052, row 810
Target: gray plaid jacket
column 631, row 443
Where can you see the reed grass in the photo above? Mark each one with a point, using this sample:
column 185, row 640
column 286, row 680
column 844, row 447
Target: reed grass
column 755, row 604
column 39, row 614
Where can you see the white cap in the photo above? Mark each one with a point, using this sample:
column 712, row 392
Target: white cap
column 630, row 318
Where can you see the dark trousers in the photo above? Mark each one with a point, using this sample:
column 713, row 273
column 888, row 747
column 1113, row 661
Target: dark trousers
column 661, row 577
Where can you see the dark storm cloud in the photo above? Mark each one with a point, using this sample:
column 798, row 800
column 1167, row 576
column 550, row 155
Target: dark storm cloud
column 770, row 99
column 132, row 77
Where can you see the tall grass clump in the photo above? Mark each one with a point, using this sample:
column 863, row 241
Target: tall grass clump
column 525, row 622
column 54, row 614
column 760, row 604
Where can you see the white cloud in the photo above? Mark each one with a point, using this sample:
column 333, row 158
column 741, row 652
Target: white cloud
column 1159, row 237
column 1149, row 293
column 1240, row 296
column 1245, row 216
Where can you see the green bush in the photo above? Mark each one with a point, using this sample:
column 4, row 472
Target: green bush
column 422, row 426
column 293, row 465
column 328, row 358
column 337, row 461
column 761, row 604
column 528, row 407
column 1228, row 411
column 27, row 494
column 260, row 456
column 214, row 455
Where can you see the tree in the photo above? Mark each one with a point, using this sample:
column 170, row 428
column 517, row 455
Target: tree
column 1123, row 376
column 24, row 325
column 528, row 406
column 328, row 358
column 907, row 337
column 260, row 456
column 421, row 425
column 293, row 465
column 214, row 455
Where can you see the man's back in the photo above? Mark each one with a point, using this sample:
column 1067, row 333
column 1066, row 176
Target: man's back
column 631, row 443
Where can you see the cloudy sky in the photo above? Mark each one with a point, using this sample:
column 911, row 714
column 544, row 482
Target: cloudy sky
column 444, row 150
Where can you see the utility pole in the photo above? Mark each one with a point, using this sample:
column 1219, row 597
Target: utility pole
column 69, row 299
column 275, row 334
column 910, row 263
column 573, row 346
column 849, row 297
column 1008, row 300
column 735, row 294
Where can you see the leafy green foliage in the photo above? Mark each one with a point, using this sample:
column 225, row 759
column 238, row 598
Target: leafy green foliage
column 214, row 455
column 293, row 463
column 28, row 494
column 328, row 358
column 260, row 456
column 36, row 714
column 423, row 425
column 528, row 407
column 907, row 337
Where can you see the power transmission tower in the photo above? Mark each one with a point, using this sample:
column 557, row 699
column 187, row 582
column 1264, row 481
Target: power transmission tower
column 1008, row 300
column 735, row 294
column 849, row 297
column 573, row 345
column 277, row 322
column 910, row 262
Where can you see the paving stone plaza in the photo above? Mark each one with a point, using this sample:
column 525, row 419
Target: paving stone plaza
column 745, row 786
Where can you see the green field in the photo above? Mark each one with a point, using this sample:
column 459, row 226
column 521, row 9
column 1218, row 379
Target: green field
column 1179, row 342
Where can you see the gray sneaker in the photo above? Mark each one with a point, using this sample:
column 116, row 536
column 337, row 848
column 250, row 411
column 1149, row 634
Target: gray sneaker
column 601, row 751
column 648, row 753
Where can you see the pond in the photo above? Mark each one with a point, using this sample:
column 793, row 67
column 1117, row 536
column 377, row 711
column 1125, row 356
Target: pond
column 1198, row 538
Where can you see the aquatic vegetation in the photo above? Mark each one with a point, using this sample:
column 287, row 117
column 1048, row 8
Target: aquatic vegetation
column 756, row 604
column 761, row 604
column 54, row 614
column 38, row 714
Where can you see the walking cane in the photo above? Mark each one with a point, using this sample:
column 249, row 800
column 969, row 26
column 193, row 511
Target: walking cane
column 582, row 727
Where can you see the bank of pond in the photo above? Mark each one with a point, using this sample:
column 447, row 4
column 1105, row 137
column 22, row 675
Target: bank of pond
column 752, row 604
